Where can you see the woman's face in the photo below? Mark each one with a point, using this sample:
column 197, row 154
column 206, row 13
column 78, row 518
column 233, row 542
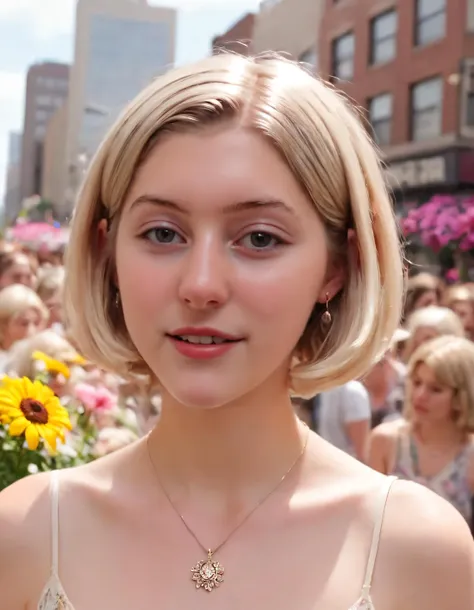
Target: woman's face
column 19, row 272
column 21, row 326
column 465, row 312
column 54, row 304
column 432, row 402
column 218, row 242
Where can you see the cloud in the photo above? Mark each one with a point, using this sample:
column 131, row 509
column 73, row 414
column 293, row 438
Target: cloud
column 49, row 17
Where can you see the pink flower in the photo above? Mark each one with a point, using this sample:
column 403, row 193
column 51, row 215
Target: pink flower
column 452, row 276
column 467, row 243
column 409, row 226
column 95, row 398
column 432, row 240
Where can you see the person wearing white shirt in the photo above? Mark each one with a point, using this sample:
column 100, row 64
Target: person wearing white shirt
column 344, row 418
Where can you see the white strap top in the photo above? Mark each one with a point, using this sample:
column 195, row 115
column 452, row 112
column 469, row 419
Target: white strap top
column 54, row 597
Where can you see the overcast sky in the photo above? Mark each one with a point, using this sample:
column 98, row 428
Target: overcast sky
column 38, row 30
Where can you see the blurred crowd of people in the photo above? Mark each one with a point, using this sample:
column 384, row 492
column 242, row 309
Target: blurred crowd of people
column 412, row 415
column 33, row 340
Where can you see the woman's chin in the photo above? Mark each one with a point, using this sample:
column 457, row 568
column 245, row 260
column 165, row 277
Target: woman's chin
column 201, row 396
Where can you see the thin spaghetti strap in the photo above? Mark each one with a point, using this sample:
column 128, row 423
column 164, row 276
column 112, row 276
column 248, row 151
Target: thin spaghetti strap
column 379, row 516
column 55, row 522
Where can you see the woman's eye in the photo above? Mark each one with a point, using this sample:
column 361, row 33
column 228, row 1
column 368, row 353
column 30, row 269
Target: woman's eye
column 260, row 240
column 163, row 235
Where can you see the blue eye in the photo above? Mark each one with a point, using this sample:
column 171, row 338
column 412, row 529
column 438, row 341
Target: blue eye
column 260, row 240
column 163, row 235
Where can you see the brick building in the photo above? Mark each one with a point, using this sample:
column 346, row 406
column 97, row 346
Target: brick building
column 238, row 38
column 410, row 64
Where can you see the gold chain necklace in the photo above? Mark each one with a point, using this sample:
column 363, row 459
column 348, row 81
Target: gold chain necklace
column 208, row 573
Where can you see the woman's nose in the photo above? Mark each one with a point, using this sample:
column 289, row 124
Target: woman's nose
column 205, row 275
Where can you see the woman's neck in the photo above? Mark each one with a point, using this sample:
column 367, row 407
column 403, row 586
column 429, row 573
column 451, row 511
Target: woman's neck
column 439, row 435
column 234, row 451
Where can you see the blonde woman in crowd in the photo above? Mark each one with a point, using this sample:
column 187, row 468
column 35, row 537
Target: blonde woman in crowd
column 434, row 444
column 429, row 323
column 22, row 314
column 234, row 239
column 460, row 298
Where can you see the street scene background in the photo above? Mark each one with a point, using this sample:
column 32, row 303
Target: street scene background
column 67, row 69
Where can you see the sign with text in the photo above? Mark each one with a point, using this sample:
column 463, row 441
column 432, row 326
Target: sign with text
column 417, row 173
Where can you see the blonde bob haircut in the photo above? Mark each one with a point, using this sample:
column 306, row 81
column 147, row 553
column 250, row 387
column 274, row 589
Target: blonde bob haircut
column 451, row 359
column 330, row 154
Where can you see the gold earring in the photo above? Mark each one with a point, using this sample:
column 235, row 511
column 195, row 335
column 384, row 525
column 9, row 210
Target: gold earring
column 326, row 318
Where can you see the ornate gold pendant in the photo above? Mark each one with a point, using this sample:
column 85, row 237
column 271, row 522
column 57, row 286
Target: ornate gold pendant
column 208, row 574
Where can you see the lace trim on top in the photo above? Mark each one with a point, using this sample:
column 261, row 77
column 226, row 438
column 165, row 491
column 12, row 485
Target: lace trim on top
column 54, row 597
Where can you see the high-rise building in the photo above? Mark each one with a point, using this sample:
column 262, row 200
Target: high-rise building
column 12, row 190
column 120, row 47
column 46, row 89
column 237, row 38
column 410, row 65
column 290, row 27
column 54, row 187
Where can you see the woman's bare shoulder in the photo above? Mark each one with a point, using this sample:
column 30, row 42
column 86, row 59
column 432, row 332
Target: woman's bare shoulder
column 428, row 550
column 24, row 540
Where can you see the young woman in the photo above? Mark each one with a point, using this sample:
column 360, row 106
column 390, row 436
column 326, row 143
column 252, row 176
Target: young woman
column 22, row 314
column 434, row 445
column 235, row 241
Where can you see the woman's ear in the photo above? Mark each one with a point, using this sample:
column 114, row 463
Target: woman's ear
column 102, row 229
column 337, row 271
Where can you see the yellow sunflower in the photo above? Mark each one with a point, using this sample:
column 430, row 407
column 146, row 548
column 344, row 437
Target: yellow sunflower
column 53, row 366
column 32, row 409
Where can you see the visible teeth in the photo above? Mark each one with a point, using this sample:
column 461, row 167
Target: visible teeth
column 202, row 340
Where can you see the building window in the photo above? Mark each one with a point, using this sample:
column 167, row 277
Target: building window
column 469, row 94
column 41, row 116
column 44, row 100
column 430, row 21
column 383, row 37
column 426, row 109
column 309, row 57
column 380, row 116
column 343, row 56
column 40, row 132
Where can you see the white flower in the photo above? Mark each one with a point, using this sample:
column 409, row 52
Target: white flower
column 32, row 468
column 40, row 366
column 67, row 450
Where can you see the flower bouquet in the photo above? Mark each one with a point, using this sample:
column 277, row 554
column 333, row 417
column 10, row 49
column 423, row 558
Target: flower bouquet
column 445, row 225
column 32, row 420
